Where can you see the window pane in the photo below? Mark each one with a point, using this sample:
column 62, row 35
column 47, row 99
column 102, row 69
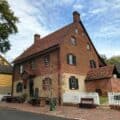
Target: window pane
column 92, row 64
column 21, row 68
column 33, row 65
column 88, row 47
column 76, row 31
column 73, row 83
column 46, row 84
column 46, row 60
column 70, row 59
column 73, row 41
column 19, row 87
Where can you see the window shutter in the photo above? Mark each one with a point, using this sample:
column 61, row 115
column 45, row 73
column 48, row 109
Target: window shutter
column 94, row 64
column 74, row 60
column 68, row 59
column 70, row 83
column 77, row 84
column 19, row 87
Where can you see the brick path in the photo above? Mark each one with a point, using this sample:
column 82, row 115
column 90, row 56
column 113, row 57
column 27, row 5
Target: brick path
column 69, row 112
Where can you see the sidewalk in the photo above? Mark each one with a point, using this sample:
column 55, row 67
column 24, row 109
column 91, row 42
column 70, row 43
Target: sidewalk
column 73, row 113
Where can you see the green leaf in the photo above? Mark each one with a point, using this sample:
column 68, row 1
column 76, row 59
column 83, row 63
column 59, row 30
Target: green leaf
column 8, row 25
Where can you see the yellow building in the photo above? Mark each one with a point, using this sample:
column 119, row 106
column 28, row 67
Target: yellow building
column 5, row 76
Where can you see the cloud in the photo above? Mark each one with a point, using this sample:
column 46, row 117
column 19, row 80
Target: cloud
column 27, row 27
column 101, row 19
column 77, row 6
column 98, row 11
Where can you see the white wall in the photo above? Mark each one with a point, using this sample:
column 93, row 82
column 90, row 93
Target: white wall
column 75, row 97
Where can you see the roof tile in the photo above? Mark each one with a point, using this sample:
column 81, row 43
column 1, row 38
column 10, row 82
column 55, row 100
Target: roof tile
column 100, row 73
column 46, row 42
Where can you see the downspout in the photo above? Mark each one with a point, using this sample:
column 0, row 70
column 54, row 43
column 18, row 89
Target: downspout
column 13, row 76
column 59, row 81
column 111, row 84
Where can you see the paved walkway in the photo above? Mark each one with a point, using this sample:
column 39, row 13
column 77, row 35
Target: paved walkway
column 69, row 112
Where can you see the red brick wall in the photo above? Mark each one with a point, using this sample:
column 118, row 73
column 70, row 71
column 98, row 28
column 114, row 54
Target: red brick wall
column 103, row 84
column 115, row 84
column 40, row 69
column 80, row 51
column 16, row 74
column 83, row 56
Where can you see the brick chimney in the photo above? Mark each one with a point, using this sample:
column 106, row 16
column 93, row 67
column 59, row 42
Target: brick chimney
column 36, row 38
column 76, row 16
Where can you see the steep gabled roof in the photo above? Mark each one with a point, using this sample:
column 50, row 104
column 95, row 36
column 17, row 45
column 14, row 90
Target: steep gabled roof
column 5, row 60
column 52, row 39
column 5, row 69
column 92, row 43
column 100, row 73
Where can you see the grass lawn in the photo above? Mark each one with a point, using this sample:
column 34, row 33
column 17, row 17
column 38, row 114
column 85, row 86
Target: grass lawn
column 103, row 100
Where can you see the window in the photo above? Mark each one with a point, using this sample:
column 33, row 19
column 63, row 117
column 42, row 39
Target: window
column 76, row 31
column 19, row 87
column 21, row 69
column 46, row 60
column 92, row 64
column 73, row 83
column 46, row 84
column 33, row 65
column 88, row 47
column 73, row 41
column 71, row 59
column 36, row 92
column 83, row 34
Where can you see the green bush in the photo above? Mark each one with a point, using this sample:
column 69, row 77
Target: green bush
column 24, row 96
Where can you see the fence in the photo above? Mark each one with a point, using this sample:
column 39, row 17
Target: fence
column 114, row 98
column 75, row 97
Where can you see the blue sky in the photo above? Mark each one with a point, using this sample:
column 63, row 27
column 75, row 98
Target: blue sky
column 100, row 17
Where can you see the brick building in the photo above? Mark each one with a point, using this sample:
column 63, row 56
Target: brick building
column 56, row 63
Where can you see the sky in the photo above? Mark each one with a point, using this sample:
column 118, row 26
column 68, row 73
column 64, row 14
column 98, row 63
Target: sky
column 101, row 19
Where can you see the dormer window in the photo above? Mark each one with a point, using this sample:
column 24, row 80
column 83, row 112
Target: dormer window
column 73, row 41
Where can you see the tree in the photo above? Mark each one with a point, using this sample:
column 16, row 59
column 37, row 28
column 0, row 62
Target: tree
column 103, row 57
column 7, row 25
column 115, row 60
